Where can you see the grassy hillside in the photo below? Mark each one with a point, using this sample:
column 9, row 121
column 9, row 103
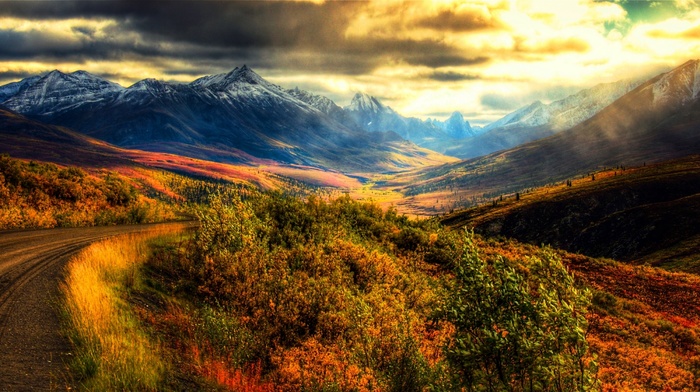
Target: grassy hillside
column 643, row 215
column 45, row 195
column 277, row 293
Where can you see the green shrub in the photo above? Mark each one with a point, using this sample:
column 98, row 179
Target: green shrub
column 517, row 329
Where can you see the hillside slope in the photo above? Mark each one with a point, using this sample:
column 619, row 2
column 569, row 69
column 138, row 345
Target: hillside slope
column 538, row 120
column 642, row 215
column 29, row 139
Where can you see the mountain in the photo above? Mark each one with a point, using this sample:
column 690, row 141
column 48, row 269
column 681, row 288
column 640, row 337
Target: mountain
column 325, row 106
column 538, row 120
column 370, row 114
column 658, row 120
column 56, row 92
column 457, row 127
column 11, row 89
column 233, row 117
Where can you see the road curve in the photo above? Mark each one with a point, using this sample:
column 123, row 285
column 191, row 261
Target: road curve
column 32, row 350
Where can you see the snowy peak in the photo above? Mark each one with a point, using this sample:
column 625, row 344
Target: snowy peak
column 677, row 87
column 56, row 91
column 532, row 115
column 319, row 102
column 228, row 81
column 82, row 80
column 568, row 112
column 583, row 105
column 458, row 128
column 14, row 88
column 151, row 86
column 363, row 102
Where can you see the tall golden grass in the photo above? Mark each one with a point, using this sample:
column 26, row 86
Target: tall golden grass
column 113, row 351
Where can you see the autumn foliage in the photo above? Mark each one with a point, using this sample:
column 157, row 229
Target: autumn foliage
column 46, row 195
column 276, row 292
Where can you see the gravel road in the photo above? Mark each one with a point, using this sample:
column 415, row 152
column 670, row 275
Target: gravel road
column 32, row 350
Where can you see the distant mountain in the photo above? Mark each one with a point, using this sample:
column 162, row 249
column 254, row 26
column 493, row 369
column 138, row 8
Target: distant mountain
column 370, row 114
column 11, row 89
column 457, row 127
column 658, row 120
column 232, row 117
column 537, row 120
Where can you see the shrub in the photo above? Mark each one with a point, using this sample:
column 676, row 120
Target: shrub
column 517, row 329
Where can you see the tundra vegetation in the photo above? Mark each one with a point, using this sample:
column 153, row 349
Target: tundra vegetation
column 43, row 195
column 281, row 292
column 274, row 292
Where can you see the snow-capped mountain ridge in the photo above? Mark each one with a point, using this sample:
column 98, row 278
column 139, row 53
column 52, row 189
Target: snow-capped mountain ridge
column 56, row 91
column 217, row 102
column 677, row 87
column 363, row 102
column 13, row 88
column 234, row 117
column 233, row 80
column 151, row 86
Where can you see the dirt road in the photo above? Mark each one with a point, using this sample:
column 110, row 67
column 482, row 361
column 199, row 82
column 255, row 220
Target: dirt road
column 32, row 351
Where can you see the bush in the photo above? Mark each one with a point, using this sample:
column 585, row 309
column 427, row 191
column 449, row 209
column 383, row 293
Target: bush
column 339, row 295
column 518, row 327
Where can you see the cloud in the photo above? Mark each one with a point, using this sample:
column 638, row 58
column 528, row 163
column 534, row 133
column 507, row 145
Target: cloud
column 451, row 76
column 525, row 95
column 209, row 23
column 423, row 56
column 554, row 45
column 460, row 17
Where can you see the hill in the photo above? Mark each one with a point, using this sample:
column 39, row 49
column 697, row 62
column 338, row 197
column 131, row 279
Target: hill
column 645, row 215
column 29, row 139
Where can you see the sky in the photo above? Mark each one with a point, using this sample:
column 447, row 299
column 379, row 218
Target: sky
column 484, row 58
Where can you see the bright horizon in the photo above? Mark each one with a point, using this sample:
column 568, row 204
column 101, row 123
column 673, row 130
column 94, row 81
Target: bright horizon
column 422, row 58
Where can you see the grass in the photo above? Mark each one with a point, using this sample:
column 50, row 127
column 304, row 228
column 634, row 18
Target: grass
column 113, row 351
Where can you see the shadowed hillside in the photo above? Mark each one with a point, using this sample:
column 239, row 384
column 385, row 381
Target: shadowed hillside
column 642, row 215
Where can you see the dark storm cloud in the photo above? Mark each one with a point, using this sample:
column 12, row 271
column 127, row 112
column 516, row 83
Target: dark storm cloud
column 451, row 76
column 9, row 76
column 263, row 34
column 208, row 23
column 29, row 45
column 444, row 56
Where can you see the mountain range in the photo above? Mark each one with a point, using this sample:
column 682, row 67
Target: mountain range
column 241, row 117
column 656, row 121
column 238, row 117
column 538, row 120
column 234, row 117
